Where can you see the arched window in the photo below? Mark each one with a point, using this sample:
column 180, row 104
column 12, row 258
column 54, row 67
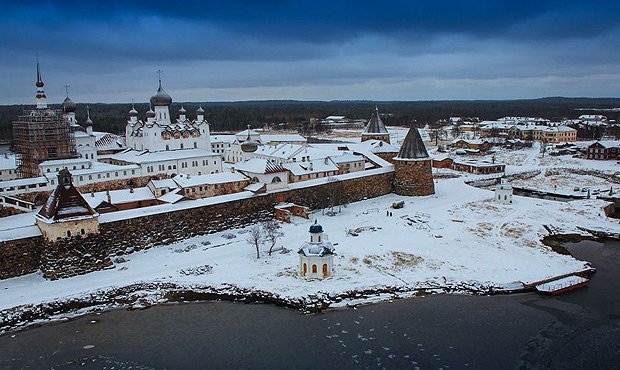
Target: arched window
column 275, row 180
column 195, row 145
column 319, row 238
column 305, row 269
column 167, row 147
column 325, row 270
column 181, row 145
column 82, row 231
column 68, row 234
column 314, row 269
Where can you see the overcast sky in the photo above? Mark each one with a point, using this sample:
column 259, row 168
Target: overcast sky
column 310, row 50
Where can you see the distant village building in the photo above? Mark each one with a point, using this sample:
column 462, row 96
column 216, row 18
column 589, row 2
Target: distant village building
column 474, row 144
column 503, row 191
column 412, row 167
column 375, row 129
column 478, row 167
column 66, row 213
column 529, row 128
column 316, row 257
column 594, row 119
column 604, row 150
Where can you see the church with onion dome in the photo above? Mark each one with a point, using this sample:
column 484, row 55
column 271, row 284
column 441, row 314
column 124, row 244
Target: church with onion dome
column 316, row 257
column 165, row 145
column 160, row 131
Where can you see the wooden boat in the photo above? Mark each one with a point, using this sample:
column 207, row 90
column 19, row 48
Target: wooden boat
column 562, row 285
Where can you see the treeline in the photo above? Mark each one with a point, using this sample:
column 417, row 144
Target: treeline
column 225, row 116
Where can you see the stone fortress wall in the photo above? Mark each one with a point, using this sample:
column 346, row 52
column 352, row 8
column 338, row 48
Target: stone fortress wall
column 79, row 255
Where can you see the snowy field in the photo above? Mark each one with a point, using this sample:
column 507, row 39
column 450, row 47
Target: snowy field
column 458, row 235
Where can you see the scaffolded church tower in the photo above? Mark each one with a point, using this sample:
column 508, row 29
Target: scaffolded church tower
column 41, row 134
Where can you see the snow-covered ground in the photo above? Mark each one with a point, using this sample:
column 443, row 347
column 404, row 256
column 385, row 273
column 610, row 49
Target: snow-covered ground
column 458, row 235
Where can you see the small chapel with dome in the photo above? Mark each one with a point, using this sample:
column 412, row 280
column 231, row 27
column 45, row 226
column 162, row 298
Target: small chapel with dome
column 316, row 257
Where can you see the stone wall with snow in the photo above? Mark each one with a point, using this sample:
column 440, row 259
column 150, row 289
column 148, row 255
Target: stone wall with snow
column 80, row 255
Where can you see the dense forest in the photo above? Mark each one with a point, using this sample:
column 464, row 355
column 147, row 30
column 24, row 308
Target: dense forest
column 227, row 116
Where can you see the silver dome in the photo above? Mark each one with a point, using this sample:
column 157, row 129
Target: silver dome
column 68, row 105
column 249, row 146
column 161, row 98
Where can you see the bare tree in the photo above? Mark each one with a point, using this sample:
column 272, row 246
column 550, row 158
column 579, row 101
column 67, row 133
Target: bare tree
column 335, row 193
column 271, row 230
column 255, row 237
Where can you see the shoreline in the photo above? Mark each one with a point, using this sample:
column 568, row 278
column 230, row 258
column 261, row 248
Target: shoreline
column 144, row 295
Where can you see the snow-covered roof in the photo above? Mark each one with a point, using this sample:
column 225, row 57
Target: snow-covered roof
column 119, row 196
column 107, row 141
column 475, row 163
column 164, row 183
column 223, row 139
column 316, row 166
column 66, row 162
column 282, row 138
column 564, row 129
column 376, row 146
column 316, row 249
column 609, row 143
column 346, row 158
column 259, row 165
column 79, row 134
column 7, row 162
column 23, row 182
column 470, row 141
column 172, row 196
column 256, row 187
column 135, row 156
column 593, row 117
column 185, row 181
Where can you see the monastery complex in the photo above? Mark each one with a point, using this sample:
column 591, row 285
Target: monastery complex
column 168, row 163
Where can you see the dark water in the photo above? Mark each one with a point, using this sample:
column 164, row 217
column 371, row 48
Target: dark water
column 579, row 331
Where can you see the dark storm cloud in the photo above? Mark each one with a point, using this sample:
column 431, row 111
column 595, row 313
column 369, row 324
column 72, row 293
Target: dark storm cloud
column 107, row 45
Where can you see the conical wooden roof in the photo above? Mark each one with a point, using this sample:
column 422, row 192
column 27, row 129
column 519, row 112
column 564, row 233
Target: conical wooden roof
column 413, row 147
column 66, row 201
column 375, row 125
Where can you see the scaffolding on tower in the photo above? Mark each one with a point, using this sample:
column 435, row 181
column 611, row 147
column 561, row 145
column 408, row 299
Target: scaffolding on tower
column 40, row 135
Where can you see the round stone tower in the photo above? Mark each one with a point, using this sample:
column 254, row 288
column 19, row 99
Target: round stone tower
column 412, row 166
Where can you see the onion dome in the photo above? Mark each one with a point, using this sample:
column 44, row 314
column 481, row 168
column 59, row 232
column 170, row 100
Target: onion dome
column 200, row 110
column 161, row 98
column 89, row 122
column 316, row 228
column 249, row 146
column 182, row 110
column 68, row 106
column 133, row 112
column 150, row 113
column 39, row 83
